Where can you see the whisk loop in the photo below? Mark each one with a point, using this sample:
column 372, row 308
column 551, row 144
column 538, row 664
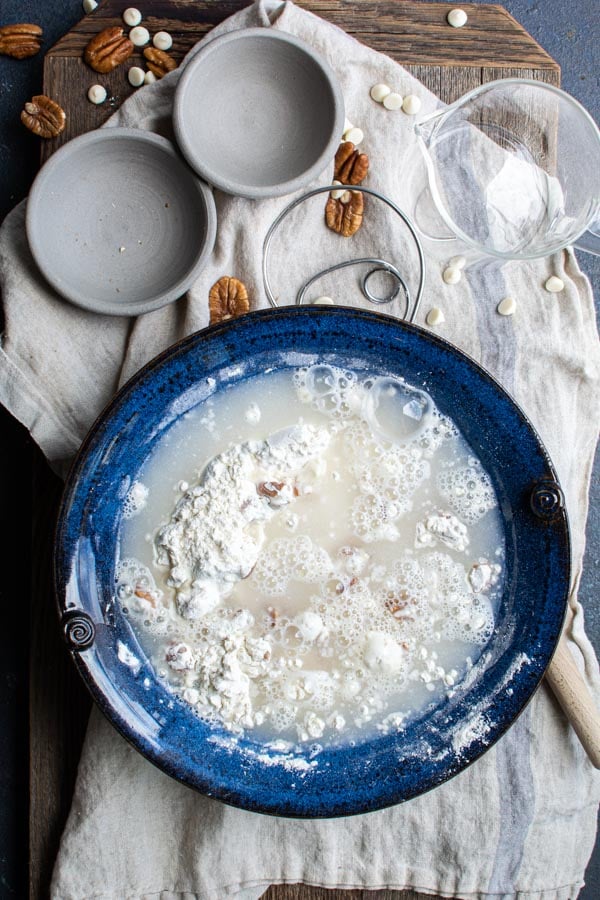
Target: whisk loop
column 378, row 265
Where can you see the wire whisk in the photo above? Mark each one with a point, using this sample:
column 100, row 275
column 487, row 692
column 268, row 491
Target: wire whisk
column 411, row 306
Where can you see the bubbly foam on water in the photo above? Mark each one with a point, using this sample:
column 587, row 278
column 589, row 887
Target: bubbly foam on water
column 345, row 622
column 293, row 558
column 468, row 489
column 135, row 500
column 329, row 390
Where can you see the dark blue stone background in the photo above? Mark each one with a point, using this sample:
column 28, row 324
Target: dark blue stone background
column 568, row 29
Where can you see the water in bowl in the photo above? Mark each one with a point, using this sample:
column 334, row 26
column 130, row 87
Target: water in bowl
column 312, row 554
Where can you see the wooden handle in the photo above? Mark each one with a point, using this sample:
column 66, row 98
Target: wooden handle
column 577, row 703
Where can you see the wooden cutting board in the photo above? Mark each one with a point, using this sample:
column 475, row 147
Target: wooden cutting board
column 449, row 62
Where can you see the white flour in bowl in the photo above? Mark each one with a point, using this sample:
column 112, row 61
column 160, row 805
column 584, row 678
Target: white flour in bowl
column 318, row 555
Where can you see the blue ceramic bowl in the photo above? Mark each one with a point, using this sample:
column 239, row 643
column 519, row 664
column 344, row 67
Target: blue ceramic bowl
column 339, row 780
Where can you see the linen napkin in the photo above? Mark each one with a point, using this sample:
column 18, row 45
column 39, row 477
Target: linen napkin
column 520, row 822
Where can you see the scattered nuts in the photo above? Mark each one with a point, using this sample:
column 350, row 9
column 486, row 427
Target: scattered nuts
column 139, row 36
column 554, row 284
column 132, row 16
column 379, row 92
column 227, row 298
column 355, row 135
column 89, row 6
column 452, row 275
column 162, row 40
column 323, row 301
column 350, row 166
column 159, row 62
column 43, row 116
column 458, row 262
column 107, row 50
column 345, row 218
column 344, row 209
column 392, row 100
column 96, row 94
column 457, row 18
column 20, row 41
column 337, row 194
column 435, row 316
column 149, row 78
column 136, row 76
column 411, row 105
column 507, row 307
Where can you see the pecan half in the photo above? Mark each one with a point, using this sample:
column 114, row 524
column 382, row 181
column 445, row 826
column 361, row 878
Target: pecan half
column 227, row 298
column 145, row 595
column 43, row 116
column 107, row 50
column 350, row 166
column 20, row 41
column 345, row 218
column 400, row 606
column 269, row 488
column 159, row 62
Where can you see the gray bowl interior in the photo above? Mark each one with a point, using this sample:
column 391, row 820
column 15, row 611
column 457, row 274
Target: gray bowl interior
column 255, row 111
column 119, row 220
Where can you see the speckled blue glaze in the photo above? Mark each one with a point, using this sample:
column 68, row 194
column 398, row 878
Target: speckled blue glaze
column 336, row 780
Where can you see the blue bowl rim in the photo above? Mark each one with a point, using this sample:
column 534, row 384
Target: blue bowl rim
column 314, row 808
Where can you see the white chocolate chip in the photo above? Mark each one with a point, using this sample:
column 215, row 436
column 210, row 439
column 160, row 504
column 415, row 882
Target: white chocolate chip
column 149, row 78
column 435, row 316
column 507, row 307
column 355, row 135
column 452, row 275
column 346, row 197
column 411, row 105
column 457, row 18
column 89, row 6
column 458, row 262
column 347, row 127
column 132, row 16
column 554, row 284
column 139, row 36
column 392, row 100
column 162, row 40
column 323, row 301
column 379, row 92
column 136, row 76
column 337, row 195
column 96, row 94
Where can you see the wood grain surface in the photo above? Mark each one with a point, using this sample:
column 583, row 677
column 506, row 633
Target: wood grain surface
column 414, row 34
column 449, row 62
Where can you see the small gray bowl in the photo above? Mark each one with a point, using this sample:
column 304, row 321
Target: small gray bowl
column 258, row 113
column 118, row 223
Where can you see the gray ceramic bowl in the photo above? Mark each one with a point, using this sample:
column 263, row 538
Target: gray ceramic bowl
column 258, row 113
column 118, row 223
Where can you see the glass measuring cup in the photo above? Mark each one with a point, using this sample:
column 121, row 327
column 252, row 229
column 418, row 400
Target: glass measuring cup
column 513, row 172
